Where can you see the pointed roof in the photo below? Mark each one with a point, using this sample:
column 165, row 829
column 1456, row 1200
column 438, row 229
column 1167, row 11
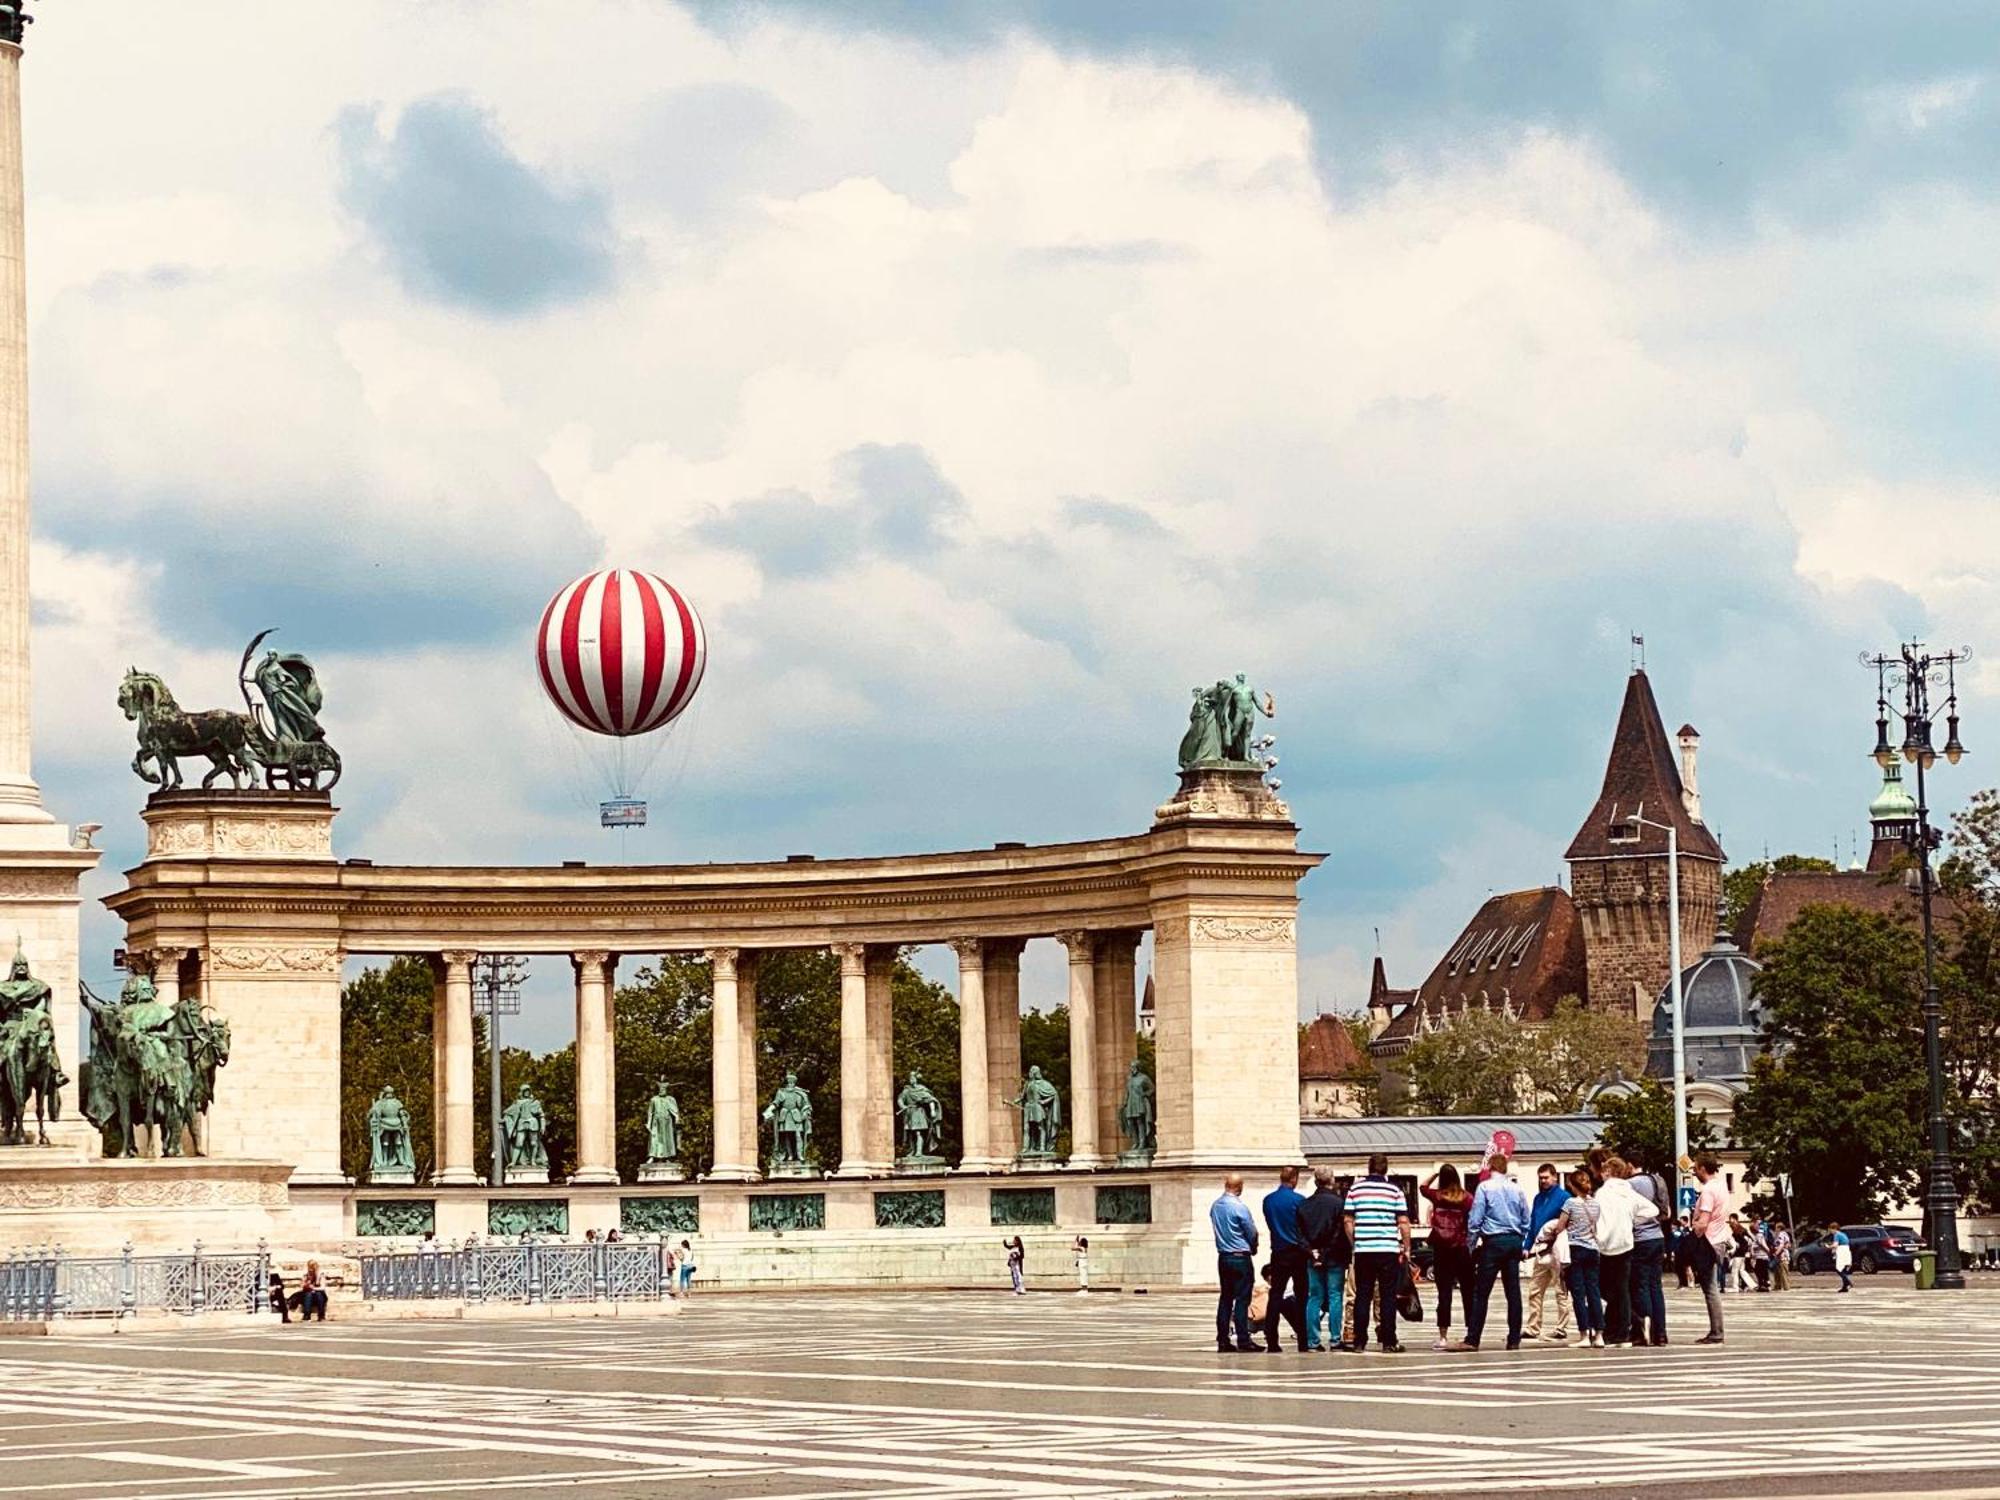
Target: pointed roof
column 1641, row 779
column 1521, row 954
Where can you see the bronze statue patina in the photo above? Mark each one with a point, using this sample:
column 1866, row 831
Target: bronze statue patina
column 1041, row 1114
column 790, row 1116
column 151, row 1064
column 30, row 1074
column 390, row 1155
column 523, row 1127
column 919, row 1116
column 663, row 1126
column 279, row 741
column 1135, row 1115
column 1221, row 722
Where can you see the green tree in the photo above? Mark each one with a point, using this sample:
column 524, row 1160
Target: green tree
column 1366, row 1077
column 1575, row 1050
column 1473, row 1065
column 1838, row 1098
column 385, row 1039
column 1640, row 1126
column 1741, row 884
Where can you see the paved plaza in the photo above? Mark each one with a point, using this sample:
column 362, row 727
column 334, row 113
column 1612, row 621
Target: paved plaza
column 978, row 1393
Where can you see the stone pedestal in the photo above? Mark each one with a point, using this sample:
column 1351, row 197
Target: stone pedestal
column 662, row 1171
column 779, row 1169
column 1223, row 791
column 922, row 1166
column 1143, row 1158
column 516, row 1176
column 392, row 1179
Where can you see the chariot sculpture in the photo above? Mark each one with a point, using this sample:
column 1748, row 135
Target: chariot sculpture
column 278, row 743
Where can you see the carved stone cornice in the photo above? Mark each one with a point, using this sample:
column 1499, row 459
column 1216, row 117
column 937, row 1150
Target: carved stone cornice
column 38, row 885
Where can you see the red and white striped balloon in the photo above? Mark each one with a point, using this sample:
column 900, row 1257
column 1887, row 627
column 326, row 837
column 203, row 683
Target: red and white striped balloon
column 620, row 651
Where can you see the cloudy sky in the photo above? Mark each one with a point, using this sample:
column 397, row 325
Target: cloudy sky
column 988, row 375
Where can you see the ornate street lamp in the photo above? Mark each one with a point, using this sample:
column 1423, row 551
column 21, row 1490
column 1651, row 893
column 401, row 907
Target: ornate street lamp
column 496, row 992
column 1916, row 671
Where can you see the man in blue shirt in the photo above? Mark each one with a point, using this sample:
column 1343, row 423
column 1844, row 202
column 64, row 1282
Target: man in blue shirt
column 1235, row 1266
column 1547, row 1275
column 1495, row 1227
column 1288, row 1258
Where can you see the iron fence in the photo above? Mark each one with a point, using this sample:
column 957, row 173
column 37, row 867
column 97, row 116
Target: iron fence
column 45, row 1283
column 528, row 1271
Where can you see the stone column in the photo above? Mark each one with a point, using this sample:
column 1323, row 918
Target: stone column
column 878, row 1133
column 1082, row 1101
column 1003, row 1047
column 975, row 1105
column 726, row 1070
column 853, row 1058
column 1113, row 983
column 596, row 1160
column 452, row 1043
column 746, row 1067
column 20, row 798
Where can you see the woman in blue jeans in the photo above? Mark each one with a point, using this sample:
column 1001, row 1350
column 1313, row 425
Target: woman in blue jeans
column 1578, row 1219
column 1649, row 1256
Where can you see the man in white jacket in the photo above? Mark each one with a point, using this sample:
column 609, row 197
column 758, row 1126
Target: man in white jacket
column 1617, row 1209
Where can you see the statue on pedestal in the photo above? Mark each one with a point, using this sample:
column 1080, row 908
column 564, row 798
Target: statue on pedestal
column 1135, row 1115
column 139, row 1076
column 919, row 1116
column 790, row 1115
column 1041, row 1114
column 1221, row 721
column 663, row 1126
column 29, row 1068
column 523, row 1127
column 391, row 1157
column 279, row 740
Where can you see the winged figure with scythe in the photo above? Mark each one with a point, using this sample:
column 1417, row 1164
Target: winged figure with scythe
column 279, row 741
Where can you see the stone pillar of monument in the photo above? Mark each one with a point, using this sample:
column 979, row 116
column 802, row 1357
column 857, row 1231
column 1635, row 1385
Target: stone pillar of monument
column 975, row 1106
column 746, row 1056
column 596, row 1137
column 878, row 1131
column 1082, row 1102
column 1114, row 985
column 39, row 864
column 853, row 1058
column 452, row 1041
column 727, row 1101
column 1003, row 1047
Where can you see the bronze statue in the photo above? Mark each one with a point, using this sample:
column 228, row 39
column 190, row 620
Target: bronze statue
column 138, row 1076
column 279, row 740
column 389, row 1149
column 30, row 1071
column 1220, row 724
column 1135, row 1116
column 790, row 1116
column 1041, row 1114
column 663, row 1126
column 919, row 1116
column 523, row 1127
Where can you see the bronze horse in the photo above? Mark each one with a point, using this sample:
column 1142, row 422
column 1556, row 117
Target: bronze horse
column 167, row 731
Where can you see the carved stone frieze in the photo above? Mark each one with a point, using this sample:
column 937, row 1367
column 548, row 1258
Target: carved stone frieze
column 37, row 885
column 231, row 958
column 102, row 1192
column 273, row 836
column 1256, row 931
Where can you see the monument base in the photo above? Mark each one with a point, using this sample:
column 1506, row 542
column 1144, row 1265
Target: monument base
column 65, row 1197
column 662, row 1171
column 1223, row 791
column 1136, row 1158
column 538, row 1175
column 392, row 1179
column 1036, row 1161
column 794, row 1169
column 922, row 1166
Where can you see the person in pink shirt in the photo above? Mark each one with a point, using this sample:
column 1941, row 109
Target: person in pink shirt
column 1711, row 1241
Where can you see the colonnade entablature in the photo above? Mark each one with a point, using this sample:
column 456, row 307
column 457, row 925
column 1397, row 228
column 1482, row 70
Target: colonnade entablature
column 243, row 895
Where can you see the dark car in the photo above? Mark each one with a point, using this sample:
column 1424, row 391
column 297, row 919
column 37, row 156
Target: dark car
column 1876, row 1247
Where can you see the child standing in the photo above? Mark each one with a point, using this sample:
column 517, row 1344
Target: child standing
column 1017, row 1261
column 1081, row 1250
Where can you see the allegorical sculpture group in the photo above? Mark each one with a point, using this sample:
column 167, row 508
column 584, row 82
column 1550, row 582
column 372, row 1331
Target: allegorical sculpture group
column 279, row 742
column 1221, row 722
column 152, row 1065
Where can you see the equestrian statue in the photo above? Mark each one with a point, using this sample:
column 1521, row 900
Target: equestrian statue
column 279, row 742
column 30, row 1072
column 150, row 1064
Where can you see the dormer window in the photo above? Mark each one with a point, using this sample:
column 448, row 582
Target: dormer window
column 1624, row 833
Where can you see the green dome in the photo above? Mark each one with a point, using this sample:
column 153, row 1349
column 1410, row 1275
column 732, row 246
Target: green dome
column 1893, row 804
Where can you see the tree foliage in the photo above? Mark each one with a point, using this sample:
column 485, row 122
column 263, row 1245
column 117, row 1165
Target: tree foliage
column 1639, row 1126
column 1574, row 1051
column 1740, row 885
column 1485, row 1063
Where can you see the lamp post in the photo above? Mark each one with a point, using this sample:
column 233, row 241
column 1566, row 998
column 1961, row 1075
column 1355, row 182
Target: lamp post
column 496, row 990
column 1916, row 671
column 1680, row 1010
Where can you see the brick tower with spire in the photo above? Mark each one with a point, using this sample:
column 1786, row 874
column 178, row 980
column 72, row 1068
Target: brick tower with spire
column 1618, row 863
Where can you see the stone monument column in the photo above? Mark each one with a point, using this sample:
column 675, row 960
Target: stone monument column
column 596, row 1160
column 452, row 1039
column 1114, row 984
column 853, row 1058
column 878, row 1131
column 1082, row 1101
column 746, row 1055
column 975, row 1094
column 726, row 1071
column 1003, row 1046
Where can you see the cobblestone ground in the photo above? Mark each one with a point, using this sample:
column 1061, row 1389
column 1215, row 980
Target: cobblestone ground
column 980, row 1393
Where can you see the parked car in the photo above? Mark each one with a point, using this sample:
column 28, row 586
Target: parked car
column 1876, row 1247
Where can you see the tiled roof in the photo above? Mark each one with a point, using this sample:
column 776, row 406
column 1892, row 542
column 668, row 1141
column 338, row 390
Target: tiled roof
column 1781, row 898
column 1641, row 778
column 1521, row 952
column 1327, row 1051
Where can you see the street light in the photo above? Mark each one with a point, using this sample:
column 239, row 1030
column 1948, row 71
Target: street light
column 1916, row 671
column 1674, row 959
column 496, row 992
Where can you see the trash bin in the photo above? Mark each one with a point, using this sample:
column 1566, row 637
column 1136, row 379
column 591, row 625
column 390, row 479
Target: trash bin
column 1926, row 1270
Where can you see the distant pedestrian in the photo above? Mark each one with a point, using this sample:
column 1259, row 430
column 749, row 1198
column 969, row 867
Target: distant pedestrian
column 1017, row 1264
column 1620, row 1209
column 1547, row 1272
column 1451, row 1254
column 1843, row 1255
column 1377, row 1217
column 1288, row 1258
column 1235, row 1266
column 1322, row 1228
column 1738, row 1279
column 1760, row 1254
column 1496, row 1228
column 684, row 1266
column 1576, row 1222
column 1781, row 1257
column 1649, row 1253
column 1080, row 1248
column 1708, row 1253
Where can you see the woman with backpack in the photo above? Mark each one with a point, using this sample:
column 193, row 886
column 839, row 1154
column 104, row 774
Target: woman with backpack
column 1451, row 1255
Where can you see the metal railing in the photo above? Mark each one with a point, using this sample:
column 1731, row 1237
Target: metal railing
column 46, row 1283
column 526, row 1272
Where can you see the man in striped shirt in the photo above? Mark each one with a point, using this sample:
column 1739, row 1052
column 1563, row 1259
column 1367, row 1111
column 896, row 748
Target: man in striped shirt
column 1378, row 1224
